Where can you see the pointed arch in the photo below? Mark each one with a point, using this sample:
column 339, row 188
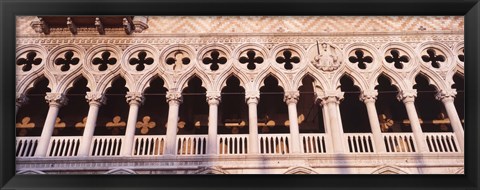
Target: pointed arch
column 211, row 170
column 144, row 82
column 106, row 81
column 392, row 78
column 319, row 81
column 300, row 170
column 30, row 81
column 260, row 81
column 120, row 171
column 221, row 81
column 68, row 81
column 389, row 169
column 183, row 80
column 357, row 80
column 431, row 81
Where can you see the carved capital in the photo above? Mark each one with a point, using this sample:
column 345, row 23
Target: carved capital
column 20, row 100
column 325, row 97
column 140, row 23
column 134, row 98
column 174, row 97
column 291, row 97
column 446, row 95
column 407, row 95
column 56, row 99
column 252, row 97
column 213, row 97
column 95, row 98
column 368, row 96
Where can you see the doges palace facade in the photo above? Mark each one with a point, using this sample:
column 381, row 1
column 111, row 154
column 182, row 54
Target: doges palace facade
column 239, row 95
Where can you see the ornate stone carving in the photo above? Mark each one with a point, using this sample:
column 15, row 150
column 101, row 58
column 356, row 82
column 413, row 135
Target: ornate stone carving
column 327, row 58
column 407, row 95
column 367, row 96
column 325, row 97
column 174, row 97
column 445, row 96
column 134, row 98
column 56, row 99
column 291, row 97
column 213, row 97
column 20, row 100
column 252, row 97
column 95, row 98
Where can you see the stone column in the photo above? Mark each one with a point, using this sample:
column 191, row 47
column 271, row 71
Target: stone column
column 408, row 98
column 447, row 97
column 95, row 100
column 55, row 101
column 331, row 100
column 369, row 99
column 134, row 99
column 20, row 100
column 252, row 98
column 291, row 98
column 174, row 100
column 326, row 123
column 213, row 99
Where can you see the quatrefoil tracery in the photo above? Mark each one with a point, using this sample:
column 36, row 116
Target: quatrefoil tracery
column 104, row 61
column 287, row 59
column 251, row 59
column 178, row 59
column 433, row 58
column 67, row 61
column 29, row 61
column 214, row 60
column 361, row 59
column 397, row 59
column 141, row 61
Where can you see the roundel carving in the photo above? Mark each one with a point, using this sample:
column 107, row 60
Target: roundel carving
column 177, row 60
column 325, row 57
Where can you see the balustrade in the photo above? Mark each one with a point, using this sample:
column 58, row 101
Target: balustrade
column 312, row 143
column 359, row 142
column 149, row 145
column 232, row 144
column 399, row 142
column 441, row 142
column 274, row 143
column 191, row 144
column 106, row 145
column 26, row 146
column 63, row 146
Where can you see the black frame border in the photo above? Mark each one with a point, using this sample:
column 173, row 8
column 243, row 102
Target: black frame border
column 9, row 9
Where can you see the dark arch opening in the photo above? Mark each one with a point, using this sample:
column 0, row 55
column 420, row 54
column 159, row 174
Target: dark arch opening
column 353, row 111
column 74, row 114
column 31, row 116
column 194, row 109
column 460, row 97
column 431, row 112
column 391, row 112
column 108, row 121
column 272, row 110
column 309, row 112
column 153, row 114
column 233, row 111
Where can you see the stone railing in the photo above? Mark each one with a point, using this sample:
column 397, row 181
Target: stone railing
column 232, row 144
column 399, row 142
column 313, row 143
column 359, row 142
column 237, row 144
column 441, row 142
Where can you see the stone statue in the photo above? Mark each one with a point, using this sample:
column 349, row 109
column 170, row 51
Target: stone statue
column 327, row 58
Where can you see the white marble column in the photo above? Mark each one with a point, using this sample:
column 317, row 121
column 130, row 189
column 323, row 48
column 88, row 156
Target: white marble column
column 55, row 101
column 134, row 99
column 291, row 98
column 447, row 97
column 331, row 100
column 408, row 98
column 95, row 100
column 174, row 100
column 252, row 101
column 20, row 100
column 369, row 98
column 213, row 99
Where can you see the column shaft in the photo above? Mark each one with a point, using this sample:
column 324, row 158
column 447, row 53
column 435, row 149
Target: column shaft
column 86, row 141
column 212, row 128
column 127, row 146
column 337, row 131
column 455, row 121
column 416, row 127
column 252, row 126
column 47, row 131
column 375, row 125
